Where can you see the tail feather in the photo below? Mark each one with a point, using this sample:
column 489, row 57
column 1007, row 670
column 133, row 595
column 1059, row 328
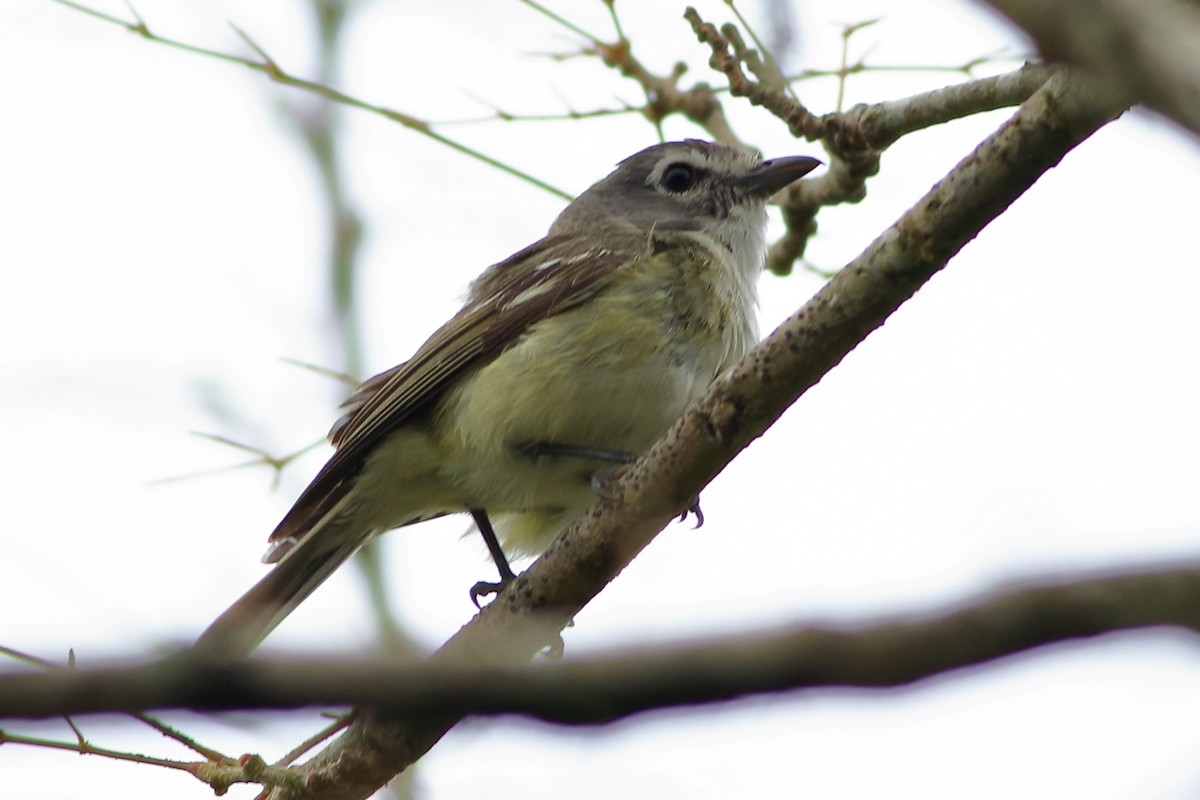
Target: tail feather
column 243, row 626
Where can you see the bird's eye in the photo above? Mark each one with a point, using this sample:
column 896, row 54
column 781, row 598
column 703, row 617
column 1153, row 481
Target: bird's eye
column 679, row 177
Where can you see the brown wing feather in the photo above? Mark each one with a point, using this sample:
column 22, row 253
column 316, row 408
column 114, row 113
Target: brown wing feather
column 544, row 279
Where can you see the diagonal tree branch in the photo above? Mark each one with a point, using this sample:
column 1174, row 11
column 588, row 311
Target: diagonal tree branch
column 737, row 409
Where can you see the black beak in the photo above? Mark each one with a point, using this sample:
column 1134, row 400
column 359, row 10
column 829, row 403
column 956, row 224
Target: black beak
column 770, row 176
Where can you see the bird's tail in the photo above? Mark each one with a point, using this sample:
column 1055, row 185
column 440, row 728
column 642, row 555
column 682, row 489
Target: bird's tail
column 243, row 626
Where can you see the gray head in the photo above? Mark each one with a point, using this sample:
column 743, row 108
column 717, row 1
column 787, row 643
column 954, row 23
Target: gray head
column 693, row 185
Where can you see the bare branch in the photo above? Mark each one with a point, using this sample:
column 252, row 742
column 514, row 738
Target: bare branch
column 572, row 27
column 272, row 69
column 855, row 138
column 663, row 95
column 262, row 458
column 728, row 55
column 84, row 748
column 339, row 724
column 1144, row 49
column 879, row 125
column 158, row 725
column 858, row 136
column 885, row 654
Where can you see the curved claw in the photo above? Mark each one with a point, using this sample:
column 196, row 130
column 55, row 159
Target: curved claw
column 693, row 508
column 485, row 588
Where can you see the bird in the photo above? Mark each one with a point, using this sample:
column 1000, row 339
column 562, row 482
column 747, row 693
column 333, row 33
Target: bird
column 570, row 356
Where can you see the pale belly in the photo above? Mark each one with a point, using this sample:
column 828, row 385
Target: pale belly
column 609, row 377
column 548, row 389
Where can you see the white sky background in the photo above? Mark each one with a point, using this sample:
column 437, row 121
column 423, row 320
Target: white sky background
column 1032, row 410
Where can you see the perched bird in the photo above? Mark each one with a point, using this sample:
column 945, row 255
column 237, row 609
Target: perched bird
column 571, row 355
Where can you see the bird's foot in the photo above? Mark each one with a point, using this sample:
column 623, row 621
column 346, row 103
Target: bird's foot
column 537, row 449
column 486, row 589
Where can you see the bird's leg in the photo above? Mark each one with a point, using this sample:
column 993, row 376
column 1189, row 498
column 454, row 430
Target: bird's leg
column 535, row 449
column 484, row 588
column 603, row 478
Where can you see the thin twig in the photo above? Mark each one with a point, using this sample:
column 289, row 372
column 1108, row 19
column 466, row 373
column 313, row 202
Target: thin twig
column 145, row 719
column 271, row 68
column 339, row 723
